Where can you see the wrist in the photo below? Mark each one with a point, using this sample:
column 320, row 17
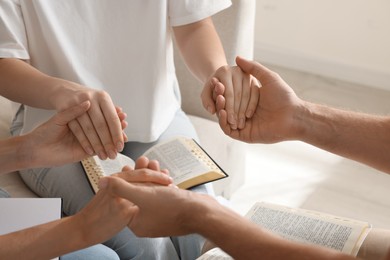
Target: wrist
column 201, row 213
column 315, row 125
column 65, row 94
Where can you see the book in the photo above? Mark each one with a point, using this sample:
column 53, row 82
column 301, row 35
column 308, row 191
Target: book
column 305, row 226
column 187, row 162
column 21, row 213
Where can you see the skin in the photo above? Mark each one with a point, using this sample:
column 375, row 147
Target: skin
column 52, row 143
column 279, row 116
column 99, row 131
column 201, row 49
column 101, row 219
column 168, row 211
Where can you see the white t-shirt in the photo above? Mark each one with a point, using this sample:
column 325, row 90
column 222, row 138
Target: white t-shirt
column 121, row 46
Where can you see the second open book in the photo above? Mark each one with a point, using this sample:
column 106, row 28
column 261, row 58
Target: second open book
column 304, row 226
column 188, row 164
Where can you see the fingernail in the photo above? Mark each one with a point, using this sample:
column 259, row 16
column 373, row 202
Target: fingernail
column 89, row 150
column 119, row 147
column 249, row 113
column 232, row 120
column 209, row 109
column 102, row 155
column 111, row 154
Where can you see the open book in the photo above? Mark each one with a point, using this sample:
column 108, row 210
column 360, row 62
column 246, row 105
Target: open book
column 188, row 164
column 305, row 226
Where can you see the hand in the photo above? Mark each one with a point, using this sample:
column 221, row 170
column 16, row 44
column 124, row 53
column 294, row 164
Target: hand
column 146, row 171
column 100, row 130
column 240, row 91
column 159, row 210
column 53, row 143
column 275, row 115
column 104, row 216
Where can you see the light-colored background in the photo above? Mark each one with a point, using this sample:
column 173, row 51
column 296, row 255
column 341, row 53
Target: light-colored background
column 345, row 47
column 346, row 39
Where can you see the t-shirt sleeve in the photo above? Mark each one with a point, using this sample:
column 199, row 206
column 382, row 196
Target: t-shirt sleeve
column 183, row 12
column 13, row 39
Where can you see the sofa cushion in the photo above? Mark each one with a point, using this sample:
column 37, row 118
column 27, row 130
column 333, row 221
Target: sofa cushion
column 14, row 185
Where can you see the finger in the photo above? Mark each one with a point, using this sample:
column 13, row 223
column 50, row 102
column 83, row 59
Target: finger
column 145, row 175
column 121, row 188
column 229, row 100
column 89, row 130
column 154, row 165
column 223, row 123
column 256, row 69
column 245, row 98
column 220, row 103
column 124, row 124
column 254, row 98
column 218, row 106
column 207, row 97
column 218, row 88
column 142, row 162
column 127, row 168
column 64, row 117
column 114, row 123
column 103, row 121
column 78, row 132
column 125, row 136
column 237, row 90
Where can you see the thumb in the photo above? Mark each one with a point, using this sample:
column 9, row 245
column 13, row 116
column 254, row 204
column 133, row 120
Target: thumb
column 64, row 117
column 252, row 67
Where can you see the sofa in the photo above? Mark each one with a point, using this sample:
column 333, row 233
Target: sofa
column 236, row 27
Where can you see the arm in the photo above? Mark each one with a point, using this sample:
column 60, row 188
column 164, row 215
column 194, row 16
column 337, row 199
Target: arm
column 281, row 115
column 200, row 47
column 101, row 219
column 52, row 143
column 99, row 131
column 167, row 211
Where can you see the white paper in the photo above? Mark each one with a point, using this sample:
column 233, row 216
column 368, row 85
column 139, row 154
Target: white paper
column 21, row 213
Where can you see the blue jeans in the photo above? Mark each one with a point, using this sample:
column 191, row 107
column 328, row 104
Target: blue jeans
column 96, row 252
column 70, row 183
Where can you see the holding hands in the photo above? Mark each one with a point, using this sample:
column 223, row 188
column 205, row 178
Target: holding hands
column 107, row 213
column 240, row 92
column 276, row 116
column 99, row 131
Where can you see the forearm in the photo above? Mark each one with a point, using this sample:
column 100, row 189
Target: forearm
column 244, row 240
column 361, row 137
column 12, row 154
column 22, row 83
column 201, row 48
column 45, row 241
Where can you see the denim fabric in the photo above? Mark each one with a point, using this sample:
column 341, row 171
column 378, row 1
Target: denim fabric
column 70, row 183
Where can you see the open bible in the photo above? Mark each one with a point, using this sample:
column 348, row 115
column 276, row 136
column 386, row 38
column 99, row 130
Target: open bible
column 305, row 226
column 188, row 164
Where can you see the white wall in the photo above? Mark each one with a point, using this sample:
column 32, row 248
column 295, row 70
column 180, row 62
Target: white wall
column 344, row 39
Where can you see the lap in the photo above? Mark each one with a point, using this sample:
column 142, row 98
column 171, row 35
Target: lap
column 70, row 183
